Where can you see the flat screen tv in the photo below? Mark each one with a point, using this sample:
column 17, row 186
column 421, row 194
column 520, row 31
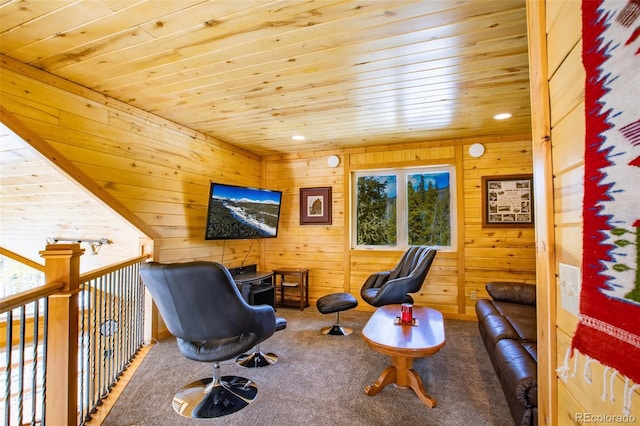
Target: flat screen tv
column 237, row 212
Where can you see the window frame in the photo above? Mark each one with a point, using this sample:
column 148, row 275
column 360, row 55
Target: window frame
column 402, row 174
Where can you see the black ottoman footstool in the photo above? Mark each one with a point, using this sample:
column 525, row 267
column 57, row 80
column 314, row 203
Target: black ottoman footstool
column 336, row 302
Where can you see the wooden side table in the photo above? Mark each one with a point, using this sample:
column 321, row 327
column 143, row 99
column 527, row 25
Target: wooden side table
column 292, row 278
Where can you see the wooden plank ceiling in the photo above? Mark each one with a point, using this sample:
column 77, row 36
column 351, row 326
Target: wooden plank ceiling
column 253, row 73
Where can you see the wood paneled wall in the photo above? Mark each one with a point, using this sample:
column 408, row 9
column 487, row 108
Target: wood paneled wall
column 482, row 255
column 320, row 248
column 498, row 254
column 154, row 173
column 578, row 394
column 157, row 174
column 440, row 290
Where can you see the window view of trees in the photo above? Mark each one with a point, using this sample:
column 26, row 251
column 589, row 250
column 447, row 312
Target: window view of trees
column 428, row 209
column 376, row 211
column 418, row 215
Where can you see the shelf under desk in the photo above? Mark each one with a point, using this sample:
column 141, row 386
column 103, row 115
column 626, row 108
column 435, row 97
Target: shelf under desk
column 257, row 287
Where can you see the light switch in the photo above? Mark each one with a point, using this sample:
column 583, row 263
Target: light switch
column 570, row 285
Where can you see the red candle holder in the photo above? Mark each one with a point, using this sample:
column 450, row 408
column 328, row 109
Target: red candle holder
column 406, row 313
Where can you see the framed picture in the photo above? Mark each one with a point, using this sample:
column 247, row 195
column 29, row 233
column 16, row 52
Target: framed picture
column 315, row 206
column 507, row 201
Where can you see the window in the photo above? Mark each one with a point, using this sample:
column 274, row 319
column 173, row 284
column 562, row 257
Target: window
column 404, row 207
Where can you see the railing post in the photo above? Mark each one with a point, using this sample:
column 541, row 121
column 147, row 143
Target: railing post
column 62, row 264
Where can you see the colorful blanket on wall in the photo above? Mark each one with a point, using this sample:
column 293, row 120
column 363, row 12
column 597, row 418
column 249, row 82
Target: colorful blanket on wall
column 609, row 322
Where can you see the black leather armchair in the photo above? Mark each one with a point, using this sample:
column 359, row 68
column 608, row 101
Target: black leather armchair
column 257, row 358
column 394, row 286
column 203, row 308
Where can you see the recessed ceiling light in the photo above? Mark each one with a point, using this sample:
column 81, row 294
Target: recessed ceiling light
column 502, row 116
column 298, row 137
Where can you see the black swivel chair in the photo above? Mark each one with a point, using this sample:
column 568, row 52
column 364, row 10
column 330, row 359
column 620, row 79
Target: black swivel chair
column 203, row 308
column 257, row 358
column 394, row 286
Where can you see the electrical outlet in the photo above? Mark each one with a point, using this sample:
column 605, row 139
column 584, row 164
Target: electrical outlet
column 474, row 295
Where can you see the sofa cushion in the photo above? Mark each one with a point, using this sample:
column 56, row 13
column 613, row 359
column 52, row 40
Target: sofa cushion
column 532, row 348
column 498, row 327
column 512, row 292
column 485, row 307
column 518, row 372
column 521, row 317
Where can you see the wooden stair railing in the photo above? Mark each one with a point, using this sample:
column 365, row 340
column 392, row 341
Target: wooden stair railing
column 62, row 264
column 62, row 285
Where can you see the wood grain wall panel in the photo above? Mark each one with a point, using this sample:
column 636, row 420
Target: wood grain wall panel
column 392, row 156
column 162, row 179
column 32, row 185
column 564, row 24
column 595, row 393
column 566, row 321
column 441, row 286
column 571, row 131
column 566, row 89
column 249, row 72
column 492, row 254
column 319, row 248
column 570, row 406
column 569, row 244
column 582, row 392
column 568, row 193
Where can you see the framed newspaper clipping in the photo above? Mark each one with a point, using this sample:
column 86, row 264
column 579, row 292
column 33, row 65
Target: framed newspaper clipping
column 507, row 201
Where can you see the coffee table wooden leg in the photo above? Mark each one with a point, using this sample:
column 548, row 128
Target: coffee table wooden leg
column 415, row 382
column 401, row 373
column 387, row 376
column 402, row 365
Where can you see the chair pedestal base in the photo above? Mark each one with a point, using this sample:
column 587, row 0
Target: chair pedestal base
column 337, row 330
column 257, row 359
column 206, row 398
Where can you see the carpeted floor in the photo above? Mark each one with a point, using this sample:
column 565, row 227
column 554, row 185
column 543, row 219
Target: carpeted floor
column 320, row 380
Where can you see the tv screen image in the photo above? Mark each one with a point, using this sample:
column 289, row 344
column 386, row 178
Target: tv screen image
column 237, row 212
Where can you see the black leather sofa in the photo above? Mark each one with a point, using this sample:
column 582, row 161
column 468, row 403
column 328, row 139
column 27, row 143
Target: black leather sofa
column 507, row 324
